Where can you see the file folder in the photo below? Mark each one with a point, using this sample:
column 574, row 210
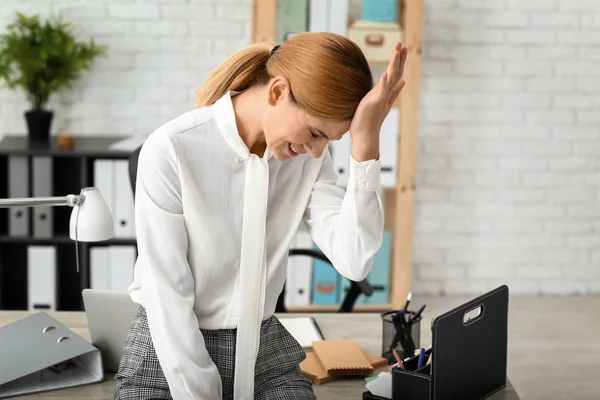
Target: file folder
column 100, row 268
column 104, row 177
column 39, row 354
column 325, row 284
column 299, row 273
column 123, row 201
column 18, row 187
column 388, row 150
column 41, row 278
column 318, row 19
column 42, row 187
column 338, row 17
column 122, row 262
column 341, row 153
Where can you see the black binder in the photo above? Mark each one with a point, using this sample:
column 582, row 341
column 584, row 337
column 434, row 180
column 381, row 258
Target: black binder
column 469, row 355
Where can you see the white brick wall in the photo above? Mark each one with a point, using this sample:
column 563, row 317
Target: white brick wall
column 509, row 146
column 159, row 52
column 508, row 182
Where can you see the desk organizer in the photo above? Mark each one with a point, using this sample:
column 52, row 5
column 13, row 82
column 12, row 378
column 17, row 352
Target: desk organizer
column 469, row 350
column 39, row 354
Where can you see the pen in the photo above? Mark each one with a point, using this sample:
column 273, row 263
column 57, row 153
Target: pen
column 407, row 302
column 398, row 359
column 421, row 358
column 418, row 314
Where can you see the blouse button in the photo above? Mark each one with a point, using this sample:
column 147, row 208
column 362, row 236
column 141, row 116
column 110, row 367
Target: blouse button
column 361, row 170
column 235, row 313
column 361, row 184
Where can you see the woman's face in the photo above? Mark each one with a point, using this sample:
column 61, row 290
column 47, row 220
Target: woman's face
column 290, row 131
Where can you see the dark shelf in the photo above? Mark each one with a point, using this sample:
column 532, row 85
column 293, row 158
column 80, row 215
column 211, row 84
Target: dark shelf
column 61, row 240
column 84, row 147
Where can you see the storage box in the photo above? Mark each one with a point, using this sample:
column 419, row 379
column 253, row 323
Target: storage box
column 380, row 10
column 376, row 39
column 469, row 356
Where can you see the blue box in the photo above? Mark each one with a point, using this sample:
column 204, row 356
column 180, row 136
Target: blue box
column 380, row 10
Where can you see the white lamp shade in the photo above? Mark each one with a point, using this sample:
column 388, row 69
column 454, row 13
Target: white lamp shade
column 91, row 221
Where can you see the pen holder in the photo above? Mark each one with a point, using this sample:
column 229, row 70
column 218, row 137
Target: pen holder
column 467, row 358
column 405, row 337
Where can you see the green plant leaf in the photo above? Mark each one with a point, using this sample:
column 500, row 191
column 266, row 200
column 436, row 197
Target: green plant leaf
column 43, row 57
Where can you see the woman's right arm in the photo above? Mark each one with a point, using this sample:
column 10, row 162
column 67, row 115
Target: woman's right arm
column 166, row 279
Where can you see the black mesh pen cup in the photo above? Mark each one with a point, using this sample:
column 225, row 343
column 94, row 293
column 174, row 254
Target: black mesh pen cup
column 401, row 332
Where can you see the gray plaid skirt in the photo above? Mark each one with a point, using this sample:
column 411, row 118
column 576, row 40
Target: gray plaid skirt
column 276, row 376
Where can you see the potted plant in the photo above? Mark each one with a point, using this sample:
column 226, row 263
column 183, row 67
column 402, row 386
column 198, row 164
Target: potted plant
column 43, row 57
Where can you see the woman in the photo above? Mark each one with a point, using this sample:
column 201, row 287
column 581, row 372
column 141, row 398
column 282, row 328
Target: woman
column 221, row 191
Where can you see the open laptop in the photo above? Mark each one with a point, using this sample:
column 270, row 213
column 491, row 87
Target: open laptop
column 109, row 315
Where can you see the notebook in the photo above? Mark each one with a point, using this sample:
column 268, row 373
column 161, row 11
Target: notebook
column 314, row 371
column 304, row 329
column 342, row 358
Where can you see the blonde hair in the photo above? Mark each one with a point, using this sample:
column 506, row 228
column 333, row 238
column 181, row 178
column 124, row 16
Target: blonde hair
column 328, row 73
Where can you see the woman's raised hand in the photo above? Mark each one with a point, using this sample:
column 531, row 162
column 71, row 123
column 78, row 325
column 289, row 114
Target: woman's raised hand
column 375, row 106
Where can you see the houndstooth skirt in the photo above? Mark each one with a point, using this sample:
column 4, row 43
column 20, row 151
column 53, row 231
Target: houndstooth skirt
column 277, row 374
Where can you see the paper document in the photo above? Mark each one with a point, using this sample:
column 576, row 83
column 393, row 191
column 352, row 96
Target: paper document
column 304, row 329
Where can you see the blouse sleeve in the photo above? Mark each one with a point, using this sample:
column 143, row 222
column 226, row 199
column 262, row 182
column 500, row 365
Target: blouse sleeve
column 347, row 225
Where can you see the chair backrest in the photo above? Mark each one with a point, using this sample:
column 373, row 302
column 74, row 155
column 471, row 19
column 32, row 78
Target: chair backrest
column 133, row 166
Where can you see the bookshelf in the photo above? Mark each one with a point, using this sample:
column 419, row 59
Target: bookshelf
column 399, row 200
column 70, row 170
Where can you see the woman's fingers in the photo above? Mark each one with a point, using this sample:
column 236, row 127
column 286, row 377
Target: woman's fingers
column 403, row 55
column 395, row 92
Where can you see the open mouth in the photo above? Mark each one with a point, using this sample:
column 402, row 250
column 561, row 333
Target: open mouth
column 292, row 150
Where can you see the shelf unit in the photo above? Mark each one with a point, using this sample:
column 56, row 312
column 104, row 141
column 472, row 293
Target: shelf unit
column 399, row 200
column 72, row 169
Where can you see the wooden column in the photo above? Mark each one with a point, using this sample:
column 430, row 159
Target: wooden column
column 411, row 21
column 264, row 15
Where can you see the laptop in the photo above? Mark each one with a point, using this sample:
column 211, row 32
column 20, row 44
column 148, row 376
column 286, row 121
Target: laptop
column 109, row 315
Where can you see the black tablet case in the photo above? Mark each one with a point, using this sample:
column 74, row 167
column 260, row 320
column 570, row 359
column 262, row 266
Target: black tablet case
column 469, row 359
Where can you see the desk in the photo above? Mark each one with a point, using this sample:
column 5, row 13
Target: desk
column 365, row 328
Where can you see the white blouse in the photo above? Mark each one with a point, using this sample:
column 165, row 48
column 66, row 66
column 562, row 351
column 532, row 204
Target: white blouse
column 214, row 224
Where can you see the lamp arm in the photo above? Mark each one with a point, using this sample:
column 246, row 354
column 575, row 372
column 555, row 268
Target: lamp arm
column 70, row 200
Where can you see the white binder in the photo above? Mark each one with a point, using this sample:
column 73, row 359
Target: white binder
column 318, row 17
column 388, row 148
column 123, row 201
column 18, row 187
column 42, row 187
column 341, row 152
column 104, row 177
column 100, row 269
column 298, row 283
column 41, row 278
column 39, row 354
column 122, row 262
column 338, row 16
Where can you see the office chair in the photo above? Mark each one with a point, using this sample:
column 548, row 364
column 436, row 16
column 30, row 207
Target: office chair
column 356, row 288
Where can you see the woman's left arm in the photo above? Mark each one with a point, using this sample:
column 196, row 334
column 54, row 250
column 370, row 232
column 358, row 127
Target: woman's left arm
column 347, row 225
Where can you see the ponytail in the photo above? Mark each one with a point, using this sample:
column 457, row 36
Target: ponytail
column 238, row 72
column 328, row 73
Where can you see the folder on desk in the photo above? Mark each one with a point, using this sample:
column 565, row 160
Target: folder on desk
column 39, row 354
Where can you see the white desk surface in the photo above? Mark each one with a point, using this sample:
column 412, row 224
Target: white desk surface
column 365, row 328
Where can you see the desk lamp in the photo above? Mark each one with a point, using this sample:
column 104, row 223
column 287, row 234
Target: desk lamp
column 91, row 220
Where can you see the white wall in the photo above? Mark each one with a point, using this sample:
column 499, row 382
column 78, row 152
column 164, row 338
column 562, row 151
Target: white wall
column 509, row 147
column 509, row 155
column 159, row 52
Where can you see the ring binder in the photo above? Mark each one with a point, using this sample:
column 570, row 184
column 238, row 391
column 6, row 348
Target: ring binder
column 50, row 357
